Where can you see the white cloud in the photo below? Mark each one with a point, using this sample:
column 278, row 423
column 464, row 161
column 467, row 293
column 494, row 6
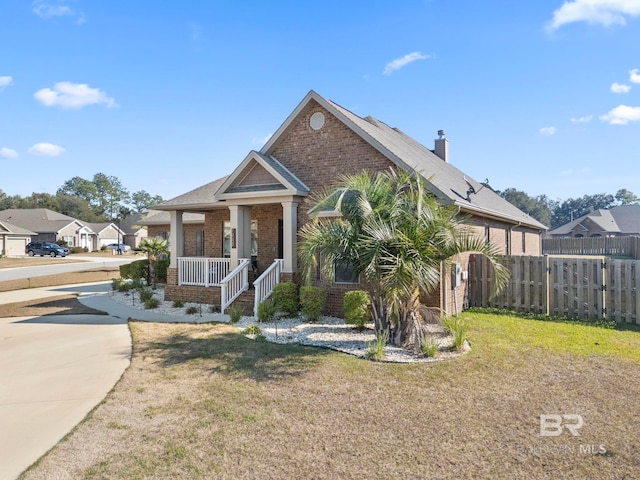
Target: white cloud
column 8, row 153
column 634, row 76
column 585, row 119
column 5, row 81
column 398, row 63
column 620, row 88
column 621, row 115
column 548, row 131
column 46, row 150
column 73, row 96
column 56, row 8
column 603, row 12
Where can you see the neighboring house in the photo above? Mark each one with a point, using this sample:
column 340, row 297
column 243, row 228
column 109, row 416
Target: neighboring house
column 13, row 239
column 134, row 231
column 105, row 233
column 256, row 212
column 50, row 226
column 623, row 220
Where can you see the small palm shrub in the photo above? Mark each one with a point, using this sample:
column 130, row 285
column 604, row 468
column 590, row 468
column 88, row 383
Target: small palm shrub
column 252, row 330
column 458, row 327
column 235, row 313
column 285, row 296
column 191, row 310
column 145, row 294
column 177, row 304
column 312, row 300
column 429, row 346
column 356, row 305
column 266, row 310
column 375, row 348
column 151, row 303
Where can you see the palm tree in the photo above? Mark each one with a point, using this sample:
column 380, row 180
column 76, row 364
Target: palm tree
column 154, row 247
column 396, row 236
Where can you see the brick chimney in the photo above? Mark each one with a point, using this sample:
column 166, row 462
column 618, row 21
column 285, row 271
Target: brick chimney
column 442, row 146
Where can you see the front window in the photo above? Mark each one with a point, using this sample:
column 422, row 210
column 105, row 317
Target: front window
column 226, row 239
column 345, row 273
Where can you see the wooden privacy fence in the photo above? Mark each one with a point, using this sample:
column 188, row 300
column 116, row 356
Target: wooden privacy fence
column 612, row 246
column 584, row 288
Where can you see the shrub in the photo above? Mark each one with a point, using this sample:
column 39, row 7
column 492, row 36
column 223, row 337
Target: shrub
column 266, row 310
column 356, row 305
column 285, row 296
column 78, row 249
column 429, row 346
column 136, row 270
column 145, row 294
column 121, row 285
column 177, row 304
column 235, row 313
column 458, row 328
column 151, row 303
column 375, row 348
column 252, row 330
column 191, row 310
column 161, row 269
column 312, row 301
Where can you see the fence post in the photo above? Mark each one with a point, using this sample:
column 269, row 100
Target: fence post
column 547, row 282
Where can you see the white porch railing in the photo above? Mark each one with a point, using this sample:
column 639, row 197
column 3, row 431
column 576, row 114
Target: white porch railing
column 203, row 272
column 234, row 284
column 264, row 283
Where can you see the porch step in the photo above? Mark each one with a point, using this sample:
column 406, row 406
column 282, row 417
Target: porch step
column 245, row 300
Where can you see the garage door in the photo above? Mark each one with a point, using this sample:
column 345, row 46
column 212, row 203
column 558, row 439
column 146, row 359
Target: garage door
column 15, row 246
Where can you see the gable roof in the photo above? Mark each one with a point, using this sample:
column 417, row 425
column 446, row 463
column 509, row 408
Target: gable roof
column 446, row 181
column 202, row 198
column 39, row 220
column 100, row 227
column 7, row 228
column 622, row 219
column 261, row 173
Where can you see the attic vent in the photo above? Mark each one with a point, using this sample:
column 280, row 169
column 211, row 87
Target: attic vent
column 316, row 122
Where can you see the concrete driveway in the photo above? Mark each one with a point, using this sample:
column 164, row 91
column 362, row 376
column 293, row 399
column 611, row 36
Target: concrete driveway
column 53, row 371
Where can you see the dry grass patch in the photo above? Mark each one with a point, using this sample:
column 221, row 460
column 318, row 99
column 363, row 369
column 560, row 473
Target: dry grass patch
column 202, row 401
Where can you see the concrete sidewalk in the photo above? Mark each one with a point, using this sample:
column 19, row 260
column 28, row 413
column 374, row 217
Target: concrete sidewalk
column 53, row 371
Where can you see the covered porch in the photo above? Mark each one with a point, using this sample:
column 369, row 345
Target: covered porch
column 248, row 238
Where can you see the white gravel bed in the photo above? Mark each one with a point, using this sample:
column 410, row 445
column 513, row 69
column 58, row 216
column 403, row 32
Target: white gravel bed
column 327, row 332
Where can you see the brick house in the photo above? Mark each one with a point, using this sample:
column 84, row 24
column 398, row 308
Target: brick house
column 252, row 216
column 619, row 221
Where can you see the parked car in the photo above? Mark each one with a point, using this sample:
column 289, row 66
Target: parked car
column 121, row 247
column 45, row 248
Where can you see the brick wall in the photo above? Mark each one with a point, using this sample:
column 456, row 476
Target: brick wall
column 320, row 157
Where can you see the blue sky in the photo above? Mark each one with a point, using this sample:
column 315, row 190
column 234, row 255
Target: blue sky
column 540, row 96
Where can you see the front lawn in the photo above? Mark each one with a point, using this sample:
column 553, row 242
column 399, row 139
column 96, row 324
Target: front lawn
column 202, row 401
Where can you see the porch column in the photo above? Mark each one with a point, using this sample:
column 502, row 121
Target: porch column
column 176, row 237
column 290, row 236
column 240, row 233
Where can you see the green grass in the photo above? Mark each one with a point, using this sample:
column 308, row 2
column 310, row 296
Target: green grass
column 203, row 401
column 560, row 336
